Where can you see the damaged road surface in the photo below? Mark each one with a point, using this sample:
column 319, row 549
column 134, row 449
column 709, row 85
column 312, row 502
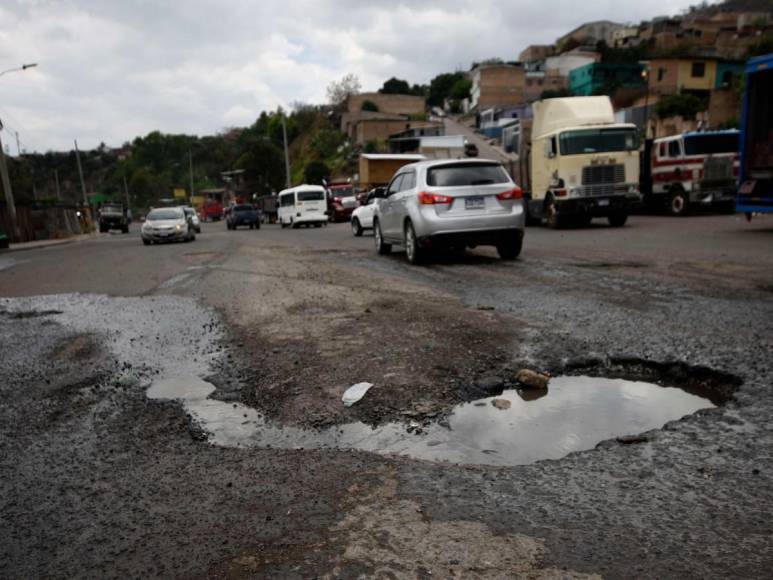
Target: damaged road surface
column 178, row 412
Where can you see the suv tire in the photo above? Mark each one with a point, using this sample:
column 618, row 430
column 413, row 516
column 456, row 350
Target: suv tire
column 381, row 247
column 356, row 227
column 511, row 249
column 413, row 251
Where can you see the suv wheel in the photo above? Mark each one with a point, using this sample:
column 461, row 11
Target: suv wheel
column 381, row 247
column 356, row 227
column 413, row 251
column 511, row 249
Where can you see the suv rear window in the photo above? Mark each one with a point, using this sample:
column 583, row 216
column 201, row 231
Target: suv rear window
column 470, row 174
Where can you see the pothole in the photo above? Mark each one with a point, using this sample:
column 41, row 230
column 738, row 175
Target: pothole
column 515, row 428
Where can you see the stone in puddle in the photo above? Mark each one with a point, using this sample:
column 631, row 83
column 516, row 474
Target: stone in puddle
column 501, row 404
column 532, row 379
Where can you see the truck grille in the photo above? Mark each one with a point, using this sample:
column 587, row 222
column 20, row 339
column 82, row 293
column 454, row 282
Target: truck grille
column 595, row 175
column 718, row 170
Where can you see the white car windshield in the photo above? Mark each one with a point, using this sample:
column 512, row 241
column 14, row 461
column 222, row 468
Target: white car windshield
column 164, row 214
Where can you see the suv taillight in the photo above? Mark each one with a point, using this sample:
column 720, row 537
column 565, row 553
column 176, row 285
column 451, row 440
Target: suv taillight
column 515, row 193
column 429, row 198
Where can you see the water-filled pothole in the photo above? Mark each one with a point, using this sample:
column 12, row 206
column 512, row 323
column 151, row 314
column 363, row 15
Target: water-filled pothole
column 522, row 427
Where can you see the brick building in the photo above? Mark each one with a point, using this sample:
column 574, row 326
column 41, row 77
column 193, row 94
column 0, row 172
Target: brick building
column 497, row 85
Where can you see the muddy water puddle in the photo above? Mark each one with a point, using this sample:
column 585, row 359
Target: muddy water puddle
column 515, row 428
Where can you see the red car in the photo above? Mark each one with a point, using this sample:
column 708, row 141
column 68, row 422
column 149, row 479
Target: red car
column 211, row 210
column 341, row 202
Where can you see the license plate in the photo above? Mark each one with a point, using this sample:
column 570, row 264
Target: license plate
column 603, row 202
column 476, row 202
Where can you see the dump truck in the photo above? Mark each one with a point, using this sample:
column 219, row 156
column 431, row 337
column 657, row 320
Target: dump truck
column 755, row 194
column 578, row 163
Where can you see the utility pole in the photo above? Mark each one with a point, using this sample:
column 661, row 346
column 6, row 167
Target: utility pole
column 8, row 192
column 126, row 192
column 287, row 156
column 190, row 169
column 83, row 183
column 58, row 192
column 18, row 147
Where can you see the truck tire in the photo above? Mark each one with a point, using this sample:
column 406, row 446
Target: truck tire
column 678, row 202
column 618, row 219
column 553, row 218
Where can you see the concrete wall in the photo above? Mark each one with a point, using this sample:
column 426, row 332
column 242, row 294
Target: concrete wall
column 565, row 63
column 724, row 106
column 393, row 104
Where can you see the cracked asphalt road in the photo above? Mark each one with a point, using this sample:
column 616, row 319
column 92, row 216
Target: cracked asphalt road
column 98, row 481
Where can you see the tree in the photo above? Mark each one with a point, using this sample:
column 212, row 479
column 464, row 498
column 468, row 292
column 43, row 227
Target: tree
column 684, row 105
column 461, row 89
column 264, row 166
column 369, row 106
column 440, row 88
column 395, row 86
column 315, row 172
column 339, row 91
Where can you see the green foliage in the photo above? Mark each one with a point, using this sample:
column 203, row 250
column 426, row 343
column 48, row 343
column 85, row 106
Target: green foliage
column 368, row 105
column 315, row 172
column 375, row 146
column 461, row 89
column 326, row 142
column 684, row 105
column 440, row 88
column 395, row 86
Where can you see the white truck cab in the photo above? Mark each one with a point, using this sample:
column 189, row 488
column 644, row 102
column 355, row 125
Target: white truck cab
column 582, row 163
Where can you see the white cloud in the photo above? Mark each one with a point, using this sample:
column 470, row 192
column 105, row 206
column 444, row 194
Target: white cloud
column 112, row 70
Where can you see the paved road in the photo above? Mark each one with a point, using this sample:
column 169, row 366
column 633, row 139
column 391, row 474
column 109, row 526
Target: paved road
column 485, row 149
column 97, row 480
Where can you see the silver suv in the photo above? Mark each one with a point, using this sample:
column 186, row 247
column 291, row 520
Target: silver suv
column 451, row 204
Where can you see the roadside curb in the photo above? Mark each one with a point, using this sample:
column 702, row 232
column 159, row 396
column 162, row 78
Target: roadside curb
column 26, row 246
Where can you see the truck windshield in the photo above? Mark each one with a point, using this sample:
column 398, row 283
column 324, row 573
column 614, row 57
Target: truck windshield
column 598, row 141
column 710, row 144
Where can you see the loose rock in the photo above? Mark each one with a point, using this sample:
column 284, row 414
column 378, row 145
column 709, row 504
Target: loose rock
column 532, row 379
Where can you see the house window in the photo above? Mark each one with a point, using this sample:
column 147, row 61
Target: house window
column 698, row 70
column 661, row 74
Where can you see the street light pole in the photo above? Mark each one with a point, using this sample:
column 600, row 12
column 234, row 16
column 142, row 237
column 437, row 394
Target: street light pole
column 8, row 191
column 20, row 68
column 190, row 170
column 287, row 156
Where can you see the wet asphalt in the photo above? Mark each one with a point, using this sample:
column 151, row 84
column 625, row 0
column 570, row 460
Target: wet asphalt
column 97, row 481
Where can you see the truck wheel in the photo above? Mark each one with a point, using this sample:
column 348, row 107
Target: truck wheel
column 678, row 203
column 381, row 247
column 356, row 228
column 618, row 219
column 553, row 218
column 257, row 225
column 511, row 249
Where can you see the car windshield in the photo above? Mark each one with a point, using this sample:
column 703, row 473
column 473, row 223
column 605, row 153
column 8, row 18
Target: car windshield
column 467, row 174
column 164, row 214
column 711, row 144
column 342, row 191
column 243, row 208
column 598, row 141
column 311, row 195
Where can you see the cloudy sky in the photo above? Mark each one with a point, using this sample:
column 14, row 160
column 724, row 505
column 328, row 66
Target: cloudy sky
column 114, row 69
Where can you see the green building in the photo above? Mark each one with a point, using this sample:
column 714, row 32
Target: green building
column 597, row 77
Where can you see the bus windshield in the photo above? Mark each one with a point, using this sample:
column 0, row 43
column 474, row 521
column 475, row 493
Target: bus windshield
column 586, row 141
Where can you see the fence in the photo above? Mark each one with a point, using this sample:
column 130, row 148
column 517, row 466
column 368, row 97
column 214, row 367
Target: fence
column 43, row 223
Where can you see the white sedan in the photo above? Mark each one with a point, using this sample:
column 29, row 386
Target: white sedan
column 362, row 217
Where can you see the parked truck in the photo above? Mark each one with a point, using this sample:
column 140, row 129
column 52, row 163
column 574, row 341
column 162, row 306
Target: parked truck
column 113, row 216
column 579, row 163
column 755, row 195
column 698, row 168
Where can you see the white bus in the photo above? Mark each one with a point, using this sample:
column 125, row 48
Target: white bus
column 304, row 204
